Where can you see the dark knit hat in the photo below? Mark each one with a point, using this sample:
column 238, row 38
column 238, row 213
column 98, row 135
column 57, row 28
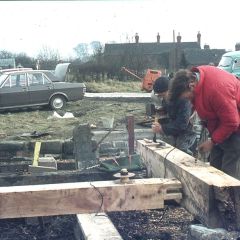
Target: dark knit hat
column 160, row 85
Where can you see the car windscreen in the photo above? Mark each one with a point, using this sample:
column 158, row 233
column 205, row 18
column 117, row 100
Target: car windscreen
column 225, row 62
column 2, row 78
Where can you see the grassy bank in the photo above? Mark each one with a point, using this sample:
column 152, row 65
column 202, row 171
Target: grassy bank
column 114, row 86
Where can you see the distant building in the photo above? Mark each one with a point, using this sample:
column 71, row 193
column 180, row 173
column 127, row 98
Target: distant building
column 162, row 55
column 7, row 63
column 196, row 57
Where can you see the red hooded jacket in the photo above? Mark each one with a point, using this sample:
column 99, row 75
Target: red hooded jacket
column 217, row 100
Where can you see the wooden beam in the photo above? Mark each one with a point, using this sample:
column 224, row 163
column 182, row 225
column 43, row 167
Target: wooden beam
column 84, row 197
column 97, row 227
column 204, row 187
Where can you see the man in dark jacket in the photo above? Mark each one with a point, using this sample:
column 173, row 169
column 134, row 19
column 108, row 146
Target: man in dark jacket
column 159, row 95
column 178, row 126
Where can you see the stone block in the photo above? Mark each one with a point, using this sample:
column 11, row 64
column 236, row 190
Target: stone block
column 50, row 146
column 12, row 146
column 109, row 152
column 120, row 144
column 200, row 232
column 47, row 162
column 68, row 147
column 105, row 145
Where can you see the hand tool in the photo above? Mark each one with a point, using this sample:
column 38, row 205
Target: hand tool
column 155, row 134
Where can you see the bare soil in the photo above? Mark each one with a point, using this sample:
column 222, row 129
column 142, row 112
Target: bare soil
column 50, row 228
column 170, row 223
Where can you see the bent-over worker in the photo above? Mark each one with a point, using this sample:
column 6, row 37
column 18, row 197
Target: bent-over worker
column 215, row 95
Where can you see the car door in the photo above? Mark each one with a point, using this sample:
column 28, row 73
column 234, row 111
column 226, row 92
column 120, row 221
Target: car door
column 13, row 91
column 40, row 88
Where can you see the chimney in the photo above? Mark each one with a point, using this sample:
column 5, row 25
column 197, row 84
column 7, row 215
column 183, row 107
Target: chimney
column 179, row 38
column 237, row 46
column 206, row 47
column 158, row 38
column 199, row 38
column 136, row 38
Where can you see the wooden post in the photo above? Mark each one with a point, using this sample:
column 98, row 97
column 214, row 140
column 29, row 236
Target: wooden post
column 97, row 227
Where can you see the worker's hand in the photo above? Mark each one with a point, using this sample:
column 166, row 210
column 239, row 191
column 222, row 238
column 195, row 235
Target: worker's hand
column 156, row 127
column 206, row 146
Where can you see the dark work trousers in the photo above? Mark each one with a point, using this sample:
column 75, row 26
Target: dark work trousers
column 226, row 156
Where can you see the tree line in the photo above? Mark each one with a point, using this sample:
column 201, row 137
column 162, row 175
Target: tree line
column 90, row 63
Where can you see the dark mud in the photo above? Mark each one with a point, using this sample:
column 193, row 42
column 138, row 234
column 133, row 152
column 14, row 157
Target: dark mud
column 43, row 228
column 170, row 223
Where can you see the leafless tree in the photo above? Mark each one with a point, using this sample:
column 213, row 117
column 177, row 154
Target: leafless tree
column 81, row 51
column 48, row 57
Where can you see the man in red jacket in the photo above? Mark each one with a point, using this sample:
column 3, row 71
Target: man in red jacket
column 215, row 95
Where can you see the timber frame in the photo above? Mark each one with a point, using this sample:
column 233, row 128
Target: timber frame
column 86, row 197
column 210, row 195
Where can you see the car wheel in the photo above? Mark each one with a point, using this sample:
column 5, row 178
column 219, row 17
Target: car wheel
column 57, row 102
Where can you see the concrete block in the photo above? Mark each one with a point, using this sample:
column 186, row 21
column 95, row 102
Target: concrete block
column 110, row 152
column 67, row 147
column 105, row 145
column 83, row 146
column 47, row 162
column 200, row 232
column 120, row 144
column 50, row 146
column 12, row 146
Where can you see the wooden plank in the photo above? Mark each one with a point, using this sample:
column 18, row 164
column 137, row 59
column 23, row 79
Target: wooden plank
column 36, row 153
column 83, row 197
column 203, row 185
column 97, row 227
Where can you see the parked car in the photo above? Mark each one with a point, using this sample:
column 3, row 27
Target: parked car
column 230, row 62
column 27, row 88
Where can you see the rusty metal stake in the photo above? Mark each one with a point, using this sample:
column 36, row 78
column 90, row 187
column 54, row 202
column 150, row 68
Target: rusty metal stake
column 131, row 140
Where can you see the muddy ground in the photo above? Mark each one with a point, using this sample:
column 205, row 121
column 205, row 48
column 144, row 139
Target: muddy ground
column 15, row 125
column 170, row 223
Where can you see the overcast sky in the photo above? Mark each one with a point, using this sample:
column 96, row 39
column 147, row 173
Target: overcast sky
column 27, row 26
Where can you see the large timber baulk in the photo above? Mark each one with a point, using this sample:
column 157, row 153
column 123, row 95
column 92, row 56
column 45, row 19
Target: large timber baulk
column 211, row 195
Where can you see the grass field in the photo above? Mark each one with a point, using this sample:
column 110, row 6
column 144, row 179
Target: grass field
column 114, row 86
column 13, row 124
